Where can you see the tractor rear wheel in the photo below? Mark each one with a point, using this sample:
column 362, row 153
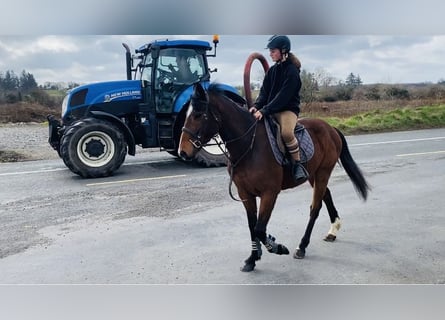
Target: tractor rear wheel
column 209, row 156
column 93, row 148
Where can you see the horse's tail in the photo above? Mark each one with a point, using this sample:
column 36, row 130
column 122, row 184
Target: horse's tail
column 351, row 168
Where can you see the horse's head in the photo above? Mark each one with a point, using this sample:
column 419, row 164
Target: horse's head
column 200, row 124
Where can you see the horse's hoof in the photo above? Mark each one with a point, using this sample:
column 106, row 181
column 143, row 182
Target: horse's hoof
column 299, row 254
column 330, row 238
column 282, row 249
column 248, row 267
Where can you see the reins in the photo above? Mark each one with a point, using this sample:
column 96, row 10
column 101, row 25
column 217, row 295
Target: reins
column 234, row 165
column 252, row 127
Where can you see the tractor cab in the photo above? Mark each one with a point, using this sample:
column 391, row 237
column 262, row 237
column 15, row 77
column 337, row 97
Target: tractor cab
column 167, row 70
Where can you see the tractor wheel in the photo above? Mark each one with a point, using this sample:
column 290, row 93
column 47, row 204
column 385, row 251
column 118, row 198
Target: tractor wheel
column 211, row 156
column 93, row 148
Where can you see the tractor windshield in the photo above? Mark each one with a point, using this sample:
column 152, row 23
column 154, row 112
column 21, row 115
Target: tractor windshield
column 180, row 65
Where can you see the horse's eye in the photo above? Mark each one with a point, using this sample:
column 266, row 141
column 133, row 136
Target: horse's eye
column 197, row 115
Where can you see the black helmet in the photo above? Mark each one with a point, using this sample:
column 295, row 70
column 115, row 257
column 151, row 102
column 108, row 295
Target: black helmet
column 279, row 42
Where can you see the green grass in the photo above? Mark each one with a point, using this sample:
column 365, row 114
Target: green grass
column 56, row 93
column 393, row 120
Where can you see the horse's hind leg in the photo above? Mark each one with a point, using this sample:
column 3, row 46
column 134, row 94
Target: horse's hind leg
column 333, row 215
column 319, row 190
column 300, row 252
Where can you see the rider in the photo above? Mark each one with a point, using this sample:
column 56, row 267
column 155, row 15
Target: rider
column 280, row 96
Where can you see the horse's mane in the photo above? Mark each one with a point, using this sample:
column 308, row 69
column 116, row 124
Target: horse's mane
column 236, row 100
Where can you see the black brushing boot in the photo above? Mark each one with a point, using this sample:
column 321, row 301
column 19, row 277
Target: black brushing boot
column 299, row 172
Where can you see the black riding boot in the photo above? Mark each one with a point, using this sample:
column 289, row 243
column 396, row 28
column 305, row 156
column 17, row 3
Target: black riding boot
column 299, row 172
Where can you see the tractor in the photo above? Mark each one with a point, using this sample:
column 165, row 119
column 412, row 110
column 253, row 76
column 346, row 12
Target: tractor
column 102, row 122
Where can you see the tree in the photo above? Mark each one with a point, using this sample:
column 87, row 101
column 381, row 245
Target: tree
column 10, row 81
column 309, row 86
column 373, row 93
column 323, row 78
column 353, row 80
column 27, row 82
column 344, row 91
column 396, row 93
column 72, row 85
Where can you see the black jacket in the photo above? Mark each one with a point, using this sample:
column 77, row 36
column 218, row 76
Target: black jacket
column 280, row 90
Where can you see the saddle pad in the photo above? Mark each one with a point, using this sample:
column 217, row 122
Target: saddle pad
column 303, row 137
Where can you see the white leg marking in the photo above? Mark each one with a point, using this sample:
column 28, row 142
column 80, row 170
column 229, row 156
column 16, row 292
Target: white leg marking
column 335, row 227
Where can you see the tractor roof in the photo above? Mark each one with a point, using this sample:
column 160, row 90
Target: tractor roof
column 176, row 44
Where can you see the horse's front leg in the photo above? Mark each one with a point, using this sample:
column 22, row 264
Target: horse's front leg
column 266, row 206
column 250, row 205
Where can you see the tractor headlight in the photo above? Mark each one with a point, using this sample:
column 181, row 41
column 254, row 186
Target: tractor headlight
column 65, row 105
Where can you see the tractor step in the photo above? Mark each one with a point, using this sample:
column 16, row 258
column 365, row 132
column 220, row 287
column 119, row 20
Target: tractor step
column 166, row 135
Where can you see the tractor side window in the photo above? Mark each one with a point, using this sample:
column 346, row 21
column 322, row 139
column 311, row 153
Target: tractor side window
column 147, row 68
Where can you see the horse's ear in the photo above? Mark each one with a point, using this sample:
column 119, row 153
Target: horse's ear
column 200, row 98
column 199, row 92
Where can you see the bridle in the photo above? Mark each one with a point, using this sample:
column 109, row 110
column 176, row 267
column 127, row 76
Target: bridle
column 196, row 141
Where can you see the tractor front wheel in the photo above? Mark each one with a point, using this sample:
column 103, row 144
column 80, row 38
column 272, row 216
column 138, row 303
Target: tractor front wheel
column 93, row 148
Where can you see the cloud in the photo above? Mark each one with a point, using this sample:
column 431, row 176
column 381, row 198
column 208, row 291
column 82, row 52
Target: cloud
column 20, row 46
column 95, row 58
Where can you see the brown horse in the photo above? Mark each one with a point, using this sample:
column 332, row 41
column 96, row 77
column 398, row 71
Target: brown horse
column 255, row 171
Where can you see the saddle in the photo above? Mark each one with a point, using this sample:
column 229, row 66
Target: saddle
column 277, row 143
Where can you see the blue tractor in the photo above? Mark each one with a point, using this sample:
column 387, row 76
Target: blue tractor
column 102, row 122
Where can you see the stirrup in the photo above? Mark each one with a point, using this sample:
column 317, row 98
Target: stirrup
column 299, row 172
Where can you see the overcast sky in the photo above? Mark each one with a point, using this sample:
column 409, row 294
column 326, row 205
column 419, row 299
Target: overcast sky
column 88, row 58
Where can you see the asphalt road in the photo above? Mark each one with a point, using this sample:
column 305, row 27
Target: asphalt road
column 160, row 221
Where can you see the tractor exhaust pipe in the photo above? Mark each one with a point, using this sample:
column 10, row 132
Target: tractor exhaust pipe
column 128, row 60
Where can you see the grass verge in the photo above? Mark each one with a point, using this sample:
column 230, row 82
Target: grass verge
column 392, row 120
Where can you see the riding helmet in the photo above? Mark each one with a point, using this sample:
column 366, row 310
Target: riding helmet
column 279, row 42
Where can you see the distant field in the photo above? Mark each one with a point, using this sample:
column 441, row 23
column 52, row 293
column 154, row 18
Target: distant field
column 349, row 116
column 56, row 93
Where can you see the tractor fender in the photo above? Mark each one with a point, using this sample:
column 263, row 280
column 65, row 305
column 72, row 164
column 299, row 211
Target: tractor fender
column 122, row 126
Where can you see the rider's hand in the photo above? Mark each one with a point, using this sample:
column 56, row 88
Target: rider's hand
column 252, row 110
column 258, row 115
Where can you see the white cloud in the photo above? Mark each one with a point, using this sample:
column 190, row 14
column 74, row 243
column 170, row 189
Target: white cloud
column 101, row 58
column 53, row 44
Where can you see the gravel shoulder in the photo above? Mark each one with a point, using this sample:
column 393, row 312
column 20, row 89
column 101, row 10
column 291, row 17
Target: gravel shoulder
column 25, row 142
column 29, row 142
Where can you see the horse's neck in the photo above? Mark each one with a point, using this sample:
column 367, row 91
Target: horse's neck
column 234, row 123
column 237, row 131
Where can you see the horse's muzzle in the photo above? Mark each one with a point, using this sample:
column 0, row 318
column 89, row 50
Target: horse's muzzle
column 184, row 156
